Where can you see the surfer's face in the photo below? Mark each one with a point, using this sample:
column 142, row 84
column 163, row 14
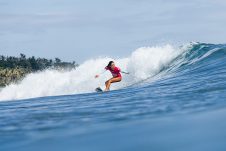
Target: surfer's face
column 113, row 65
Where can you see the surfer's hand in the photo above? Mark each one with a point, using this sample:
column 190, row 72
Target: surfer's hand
column 96, row 76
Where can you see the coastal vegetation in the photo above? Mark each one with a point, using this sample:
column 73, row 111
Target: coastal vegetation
column 13, row 69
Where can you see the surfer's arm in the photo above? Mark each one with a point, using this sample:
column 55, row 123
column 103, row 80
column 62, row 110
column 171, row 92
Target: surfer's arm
column 125, row 72
column 96, row 76
column 122, row 71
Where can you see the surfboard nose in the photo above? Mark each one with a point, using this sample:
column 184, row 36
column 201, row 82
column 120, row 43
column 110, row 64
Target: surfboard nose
column 99, row 89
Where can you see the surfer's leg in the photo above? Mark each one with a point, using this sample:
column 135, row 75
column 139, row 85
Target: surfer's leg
column 112, row 80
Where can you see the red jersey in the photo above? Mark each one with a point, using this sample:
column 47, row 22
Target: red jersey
column 115, row 73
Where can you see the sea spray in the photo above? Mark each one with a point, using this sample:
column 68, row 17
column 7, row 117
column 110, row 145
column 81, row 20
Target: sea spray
column 141, row 64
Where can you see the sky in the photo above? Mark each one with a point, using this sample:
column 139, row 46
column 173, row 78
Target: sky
column 78, row 30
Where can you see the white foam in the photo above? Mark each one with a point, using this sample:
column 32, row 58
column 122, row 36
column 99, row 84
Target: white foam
column 142, row 63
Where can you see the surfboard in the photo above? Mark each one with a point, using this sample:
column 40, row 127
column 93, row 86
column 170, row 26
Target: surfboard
column 99, row 89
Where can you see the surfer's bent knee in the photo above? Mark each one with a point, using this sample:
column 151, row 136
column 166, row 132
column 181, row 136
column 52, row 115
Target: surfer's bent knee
column 116, row 78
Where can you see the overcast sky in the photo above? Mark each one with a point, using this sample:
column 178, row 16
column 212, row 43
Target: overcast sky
column 82, row 29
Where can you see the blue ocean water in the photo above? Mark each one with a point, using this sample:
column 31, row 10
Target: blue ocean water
column 183, row 110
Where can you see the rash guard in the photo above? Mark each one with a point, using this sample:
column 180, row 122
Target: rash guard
column 115, row 73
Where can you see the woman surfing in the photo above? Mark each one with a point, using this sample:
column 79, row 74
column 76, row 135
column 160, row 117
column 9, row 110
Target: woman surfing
column 115, row 71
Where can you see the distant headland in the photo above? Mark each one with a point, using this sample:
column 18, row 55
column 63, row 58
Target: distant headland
column 13, row 69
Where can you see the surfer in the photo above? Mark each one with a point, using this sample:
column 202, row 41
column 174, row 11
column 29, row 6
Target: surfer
column 115, row 71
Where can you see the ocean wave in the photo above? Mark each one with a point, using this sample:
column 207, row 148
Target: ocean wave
column 152, row 63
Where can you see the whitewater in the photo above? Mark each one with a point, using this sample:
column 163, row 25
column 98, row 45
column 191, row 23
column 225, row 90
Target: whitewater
column 173, row 99
column 143, row 63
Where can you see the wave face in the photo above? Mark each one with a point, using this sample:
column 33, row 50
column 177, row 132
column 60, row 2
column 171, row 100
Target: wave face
column 174, row 98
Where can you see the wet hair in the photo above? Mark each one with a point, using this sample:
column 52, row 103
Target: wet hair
column 109, row 64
